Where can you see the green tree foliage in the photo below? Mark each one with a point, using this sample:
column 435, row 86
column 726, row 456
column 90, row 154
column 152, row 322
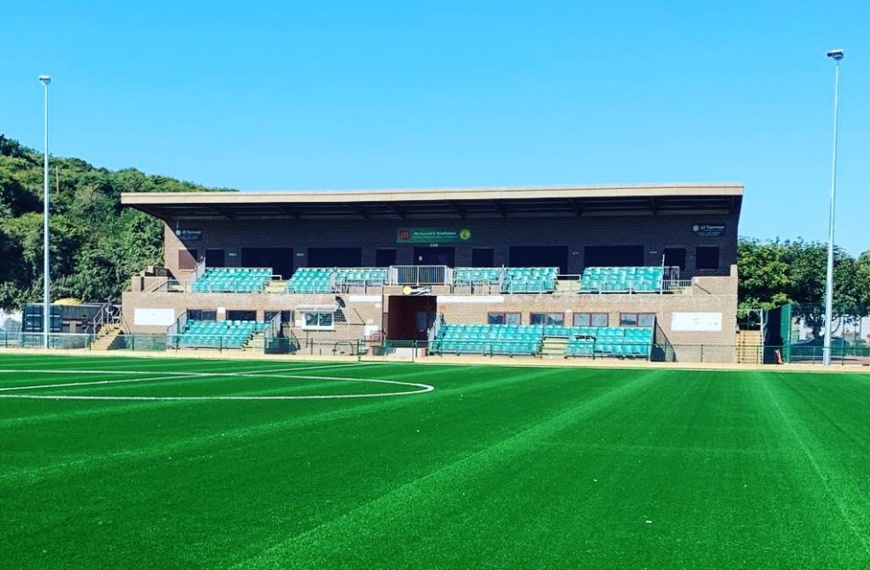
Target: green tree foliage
column 775, row 273
column 96, row 246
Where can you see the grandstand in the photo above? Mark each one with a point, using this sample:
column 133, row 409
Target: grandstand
column 528, row 340
column 217, row 334
column 623, row 270
column 232, row 280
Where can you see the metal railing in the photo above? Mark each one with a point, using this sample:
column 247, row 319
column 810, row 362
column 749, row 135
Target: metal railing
column 855, row 356
column 420, row 275
column 175, row 328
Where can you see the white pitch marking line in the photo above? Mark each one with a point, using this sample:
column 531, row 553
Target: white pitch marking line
column 169, row 373
column 423, row 388
column 94, row 383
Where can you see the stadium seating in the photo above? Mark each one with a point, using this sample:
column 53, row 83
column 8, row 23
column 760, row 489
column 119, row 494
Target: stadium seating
column 488, row 339
column 476, row 275
column 620, row 342
column 621, row 280
column 361, row 277
column 232, row 280
column 311, row 280
column 330, row 279
column 510, row 279
column 514, row 340
column 217, row 334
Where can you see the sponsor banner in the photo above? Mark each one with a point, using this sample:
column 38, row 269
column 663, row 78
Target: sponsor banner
column 697, row 322
column 708, row 230
column 153, row 317
column 433, row 235
column 189, row 235
column 364, row 298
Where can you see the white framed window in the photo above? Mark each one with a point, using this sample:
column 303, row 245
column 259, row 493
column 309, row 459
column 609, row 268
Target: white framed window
column 316, row 317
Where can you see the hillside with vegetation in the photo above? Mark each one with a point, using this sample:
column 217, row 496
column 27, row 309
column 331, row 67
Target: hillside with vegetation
column 96, row 245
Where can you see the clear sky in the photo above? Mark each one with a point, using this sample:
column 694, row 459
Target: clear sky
column 400, row 94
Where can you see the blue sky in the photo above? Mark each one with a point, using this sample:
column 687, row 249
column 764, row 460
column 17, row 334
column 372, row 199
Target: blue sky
column 388, row 94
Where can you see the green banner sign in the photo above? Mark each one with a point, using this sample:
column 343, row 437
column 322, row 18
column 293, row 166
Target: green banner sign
column 433, row 235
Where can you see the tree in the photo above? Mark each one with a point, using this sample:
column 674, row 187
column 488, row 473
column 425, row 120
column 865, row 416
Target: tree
column 96, row 245
column 776, row 273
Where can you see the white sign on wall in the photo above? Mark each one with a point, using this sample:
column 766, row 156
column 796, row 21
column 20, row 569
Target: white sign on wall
column 703, row 322
column 457, row 299
column 153, row 317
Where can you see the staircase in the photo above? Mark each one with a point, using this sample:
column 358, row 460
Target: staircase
column 106, row 337
column 554, row 347
column 256, row 343
column 749, row 347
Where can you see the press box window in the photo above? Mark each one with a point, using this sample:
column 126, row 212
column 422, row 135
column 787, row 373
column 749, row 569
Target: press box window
column 590, row 319
column 546, row 318
column 707, row 258
column 318, row 321
column 316, row 317
column 646, row 320
column 504, row 319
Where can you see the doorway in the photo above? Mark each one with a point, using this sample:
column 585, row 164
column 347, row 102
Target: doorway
column 410, row 317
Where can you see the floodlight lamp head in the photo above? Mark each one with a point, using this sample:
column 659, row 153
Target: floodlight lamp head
column 45, row 79
column 836, row 54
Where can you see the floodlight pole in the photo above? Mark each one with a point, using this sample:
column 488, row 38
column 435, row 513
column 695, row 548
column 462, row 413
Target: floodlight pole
column 836, row 55
column 46, row 291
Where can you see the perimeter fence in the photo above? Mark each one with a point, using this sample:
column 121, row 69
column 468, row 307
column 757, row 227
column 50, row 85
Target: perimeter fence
column 842, row 354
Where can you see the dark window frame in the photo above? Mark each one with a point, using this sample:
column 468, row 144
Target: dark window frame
column 637, row 320
column 591, row 319
column 547, row 319
column 702, row 252
column 504, row 315
column 685, row 256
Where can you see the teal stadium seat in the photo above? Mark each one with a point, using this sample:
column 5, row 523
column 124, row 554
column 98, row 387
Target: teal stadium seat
column 232, row 280
column 217, row 334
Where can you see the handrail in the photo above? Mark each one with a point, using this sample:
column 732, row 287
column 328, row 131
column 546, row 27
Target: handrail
column 175, row 328
column 199, row 271
column 274, row 328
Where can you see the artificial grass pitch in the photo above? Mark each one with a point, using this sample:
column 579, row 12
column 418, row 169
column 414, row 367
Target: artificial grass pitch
column 497, row 467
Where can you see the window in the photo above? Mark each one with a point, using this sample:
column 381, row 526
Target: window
column 613, row 256
column 707, row 258
column 286, row 316
column 590, row 319
column 319, row 321
column 504, row 319
column 201, row 315
column 646, row 320
column 334, row 256
column 385, row 257
column 482, row 257
column 546, row 318
column 675, row 257
column 233, row 315
column 215, row 258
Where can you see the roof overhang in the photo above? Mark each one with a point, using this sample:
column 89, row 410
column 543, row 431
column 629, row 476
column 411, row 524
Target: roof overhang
column 442, row 203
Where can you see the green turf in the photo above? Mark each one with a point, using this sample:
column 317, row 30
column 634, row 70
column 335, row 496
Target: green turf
column 497, row 467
